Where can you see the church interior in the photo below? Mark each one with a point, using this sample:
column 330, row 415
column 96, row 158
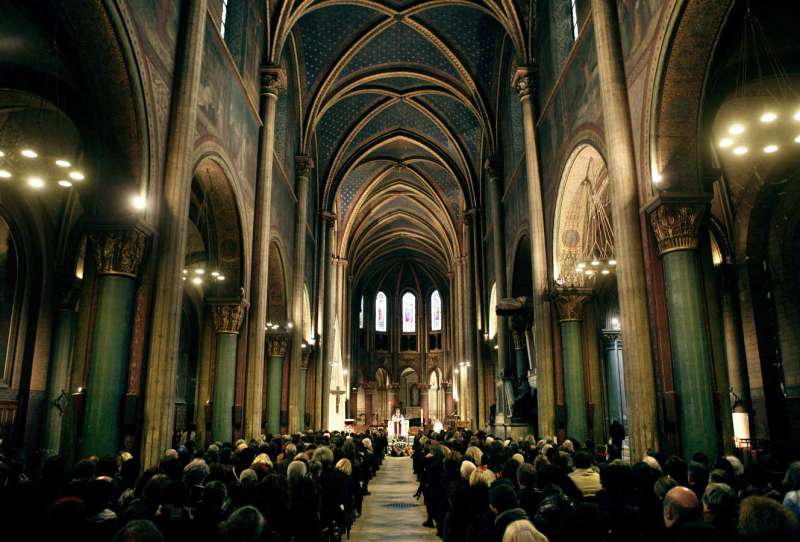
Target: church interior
column 241, row 222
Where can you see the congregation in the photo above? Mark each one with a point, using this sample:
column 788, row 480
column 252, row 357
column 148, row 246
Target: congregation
column 480, row 489
column 306, row 488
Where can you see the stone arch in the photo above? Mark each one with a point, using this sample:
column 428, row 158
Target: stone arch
column 277, row 294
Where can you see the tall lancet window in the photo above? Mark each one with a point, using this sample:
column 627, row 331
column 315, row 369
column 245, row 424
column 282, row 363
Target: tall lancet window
column 576, row 30
column 409, row 313
column 436, row 311
column 361, row 314
column 223, row 17
column 380, row 312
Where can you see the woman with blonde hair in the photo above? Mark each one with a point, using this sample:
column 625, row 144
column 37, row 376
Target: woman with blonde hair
column 344, row 465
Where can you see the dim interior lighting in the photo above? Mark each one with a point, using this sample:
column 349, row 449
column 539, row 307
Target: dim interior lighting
column 289, row 325
column 63, row 163
column 605, row 271
column 589, row 272
column 76, row 176
column 36, row 182
column 769, row 149
column 185, row 271
column 303, row 346
column 496, row 347
column 581, row 265
column 736, row 129
column 739, row 151
column 199, row 271
column 797, row 139
column 725, row 142
column 595, row 263
column 28, row 153
column 2, row 154
column 220, row 277
column 769, row 116
column 138, row 201
column 215, row 273
column 612, row 262
column 657, row 177
column 64, row 183
column 5, row 174
column 615, row 323
column 197, row 280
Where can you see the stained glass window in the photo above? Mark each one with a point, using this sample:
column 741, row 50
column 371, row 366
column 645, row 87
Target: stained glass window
column 224, row 18
column 409, row 313
column 380, row 312
column 436, row 311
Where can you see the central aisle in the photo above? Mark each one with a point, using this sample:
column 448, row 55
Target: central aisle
column 391, row 512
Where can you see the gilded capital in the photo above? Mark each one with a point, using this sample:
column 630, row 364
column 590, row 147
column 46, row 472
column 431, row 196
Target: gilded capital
column 569, row 302
column 119, row 251
column 228, row 317
column 303, row 165
column 676, row 223
column 277, row 345
column 523, row 81
column 273, row 80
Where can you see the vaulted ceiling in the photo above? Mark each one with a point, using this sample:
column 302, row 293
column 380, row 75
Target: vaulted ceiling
column 397, row 107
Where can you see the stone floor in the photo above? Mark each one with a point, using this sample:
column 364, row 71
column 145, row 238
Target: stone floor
column 391, row 513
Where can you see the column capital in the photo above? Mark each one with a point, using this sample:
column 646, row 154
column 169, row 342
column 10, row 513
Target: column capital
column 277, row 345
column 493, row 168
column 328, row 218
column 306, row 356
column 519, row 339
column 228, row 315
column 119, row 249
column 302, row 165
column 676, row 220
column 273, row 80
column 569, row 302
column 524, row 81
column 610, row 336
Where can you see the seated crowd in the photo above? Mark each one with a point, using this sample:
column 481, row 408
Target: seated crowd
column 304, row 488
column 480, row 489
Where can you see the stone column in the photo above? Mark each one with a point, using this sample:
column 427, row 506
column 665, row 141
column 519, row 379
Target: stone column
column 159, row 402
column 301, row 401
column 478, row 401
column 273, row 81
column 394, row 398
column 329, row 310
column 118, row 253
column 520, row 355
column 472, row 408
column 499, row 257
column 734, row 341
column 676, row 221
column 58, row 389
column 631, row 285
column 542, row 324
column 369, row 393
column 424, row 402
column 303, row 165
column 448, row 399
column 228, row 319
column 615, row 379
column 570, row 309
column 277, row 346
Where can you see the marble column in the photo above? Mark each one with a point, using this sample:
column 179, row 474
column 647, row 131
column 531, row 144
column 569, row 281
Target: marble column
column 159, row 401
column 303, row 165
column 58, row 389
column 631, row 284
column 542, row 321
column 277, row 346
column 273, row 81
column 301, row 401
column 228, row 317
column 499, row 260
column 615, row 379
column 676, row 221
column 118, row 253
column 570, row 309
column 329, row 311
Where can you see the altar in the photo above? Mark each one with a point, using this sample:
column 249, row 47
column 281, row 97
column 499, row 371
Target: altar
column 397, row 426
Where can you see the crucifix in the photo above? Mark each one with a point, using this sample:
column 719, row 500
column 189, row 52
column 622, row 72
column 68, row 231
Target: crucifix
column 338, row 393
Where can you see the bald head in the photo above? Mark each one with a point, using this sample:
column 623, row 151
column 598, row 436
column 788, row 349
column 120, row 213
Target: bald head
column 681, row 506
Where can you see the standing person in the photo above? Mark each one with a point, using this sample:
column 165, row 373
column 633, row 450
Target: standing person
column 617, row 432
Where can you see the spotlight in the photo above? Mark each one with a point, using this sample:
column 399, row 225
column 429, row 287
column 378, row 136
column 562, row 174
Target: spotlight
column 657, row 177
column 197, row 280
column 738, row 151
column 612, row 262
column 199, row 271
column 769, row 149
column 215, row 273
column 63, row 163
column 5, row 174
column 797, row 139
column 138, row 201
column 64, row 183
column 797, row 116
column 28, row 153
column 736, row 129
column 76, row 176
column 605, row 271
column 36, row 182
column 725, row 142
column 769, row 116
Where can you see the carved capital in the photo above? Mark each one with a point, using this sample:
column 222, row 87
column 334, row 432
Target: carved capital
column 328, row 218
column 610, row 337
column 277, row 345
column 676, row 221
column 119, row 250
column 273, row 80
column 519, row 340
column 303, row 165
column 305, row 357
column 524, row 81
column 570, row 303
column 228, row 317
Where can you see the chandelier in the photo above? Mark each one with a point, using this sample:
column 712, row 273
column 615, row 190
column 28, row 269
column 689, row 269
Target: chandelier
column 762, row 119
column 596, row 257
